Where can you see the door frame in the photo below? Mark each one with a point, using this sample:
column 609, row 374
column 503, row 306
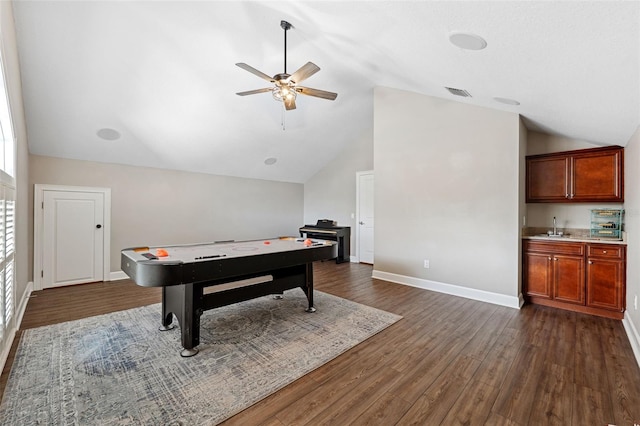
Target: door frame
column 38, row 228
column 358, row 175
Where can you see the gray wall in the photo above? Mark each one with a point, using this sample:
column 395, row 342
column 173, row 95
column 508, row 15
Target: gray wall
column 447, row 189
column 331, row 193
column 161, row 207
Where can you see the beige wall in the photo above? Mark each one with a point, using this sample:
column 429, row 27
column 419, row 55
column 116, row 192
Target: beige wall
column 567, row 215
column 632, row 224
column 161, row 207
column 331, row 193
column 447, row 189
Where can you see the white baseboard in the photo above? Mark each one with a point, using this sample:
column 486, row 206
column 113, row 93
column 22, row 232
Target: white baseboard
column 11, row 332
column 353, row 259
column 469, row 293
column 118, row 275
column 633, row 335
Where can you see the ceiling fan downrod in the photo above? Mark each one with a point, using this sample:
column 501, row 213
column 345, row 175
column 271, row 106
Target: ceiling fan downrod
column 285, row 26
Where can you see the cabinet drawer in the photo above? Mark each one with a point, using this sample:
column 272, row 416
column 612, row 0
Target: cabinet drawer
column 608, row 251
column 554, row 247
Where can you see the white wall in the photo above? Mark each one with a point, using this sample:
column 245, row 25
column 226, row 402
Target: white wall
column 448, row 190
column 568, row 215
column 632, row 224
column 331, row 193
column 14, row 88
column 160, row 207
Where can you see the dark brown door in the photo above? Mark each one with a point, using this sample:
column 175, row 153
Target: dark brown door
column 597, row 176
column 537, row 270
column 547, row 179
column 605, row 284
column 568, row 274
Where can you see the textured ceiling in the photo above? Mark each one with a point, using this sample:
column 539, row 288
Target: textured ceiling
column 162, row 74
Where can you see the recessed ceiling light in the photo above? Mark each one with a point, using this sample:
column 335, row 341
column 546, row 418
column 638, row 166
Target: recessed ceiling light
column 467, row 41
column 108, row 134
column 506, row 101
column 270, row 161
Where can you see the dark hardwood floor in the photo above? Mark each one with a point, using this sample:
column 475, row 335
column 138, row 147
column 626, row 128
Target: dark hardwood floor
column 449, row 361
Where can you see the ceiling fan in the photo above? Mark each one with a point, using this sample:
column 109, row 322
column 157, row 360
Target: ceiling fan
column 286, row 85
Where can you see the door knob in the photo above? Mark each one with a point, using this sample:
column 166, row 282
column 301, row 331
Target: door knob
column 361, row 223
column 98, row 226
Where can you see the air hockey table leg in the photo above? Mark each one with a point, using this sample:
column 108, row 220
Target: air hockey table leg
column 308, row 287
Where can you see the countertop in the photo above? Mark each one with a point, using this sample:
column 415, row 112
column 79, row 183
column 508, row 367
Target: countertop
column 570, row 235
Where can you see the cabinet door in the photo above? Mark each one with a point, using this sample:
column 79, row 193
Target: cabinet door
column 547, row 179
column 605, row 284
column 597, row 176
column 537, row 274
column 568, row 279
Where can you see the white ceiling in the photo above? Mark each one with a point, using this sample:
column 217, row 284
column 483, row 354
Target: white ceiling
column 163, row 75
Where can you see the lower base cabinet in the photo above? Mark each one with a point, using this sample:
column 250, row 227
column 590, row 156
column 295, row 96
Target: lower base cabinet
column 582, row 277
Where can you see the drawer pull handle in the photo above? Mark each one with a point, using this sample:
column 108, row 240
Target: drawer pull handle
column 604, row 251
column 590, row 262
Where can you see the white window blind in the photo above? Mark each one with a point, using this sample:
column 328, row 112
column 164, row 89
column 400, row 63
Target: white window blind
column 7, row 257
column 7, row 211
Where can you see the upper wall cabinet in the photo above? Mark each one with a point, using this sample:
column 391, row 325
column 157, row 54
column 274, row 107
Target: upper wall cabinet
column 586, row 175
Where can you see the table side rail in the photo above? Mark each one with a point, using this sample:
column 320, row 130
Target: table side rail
column 159, row 274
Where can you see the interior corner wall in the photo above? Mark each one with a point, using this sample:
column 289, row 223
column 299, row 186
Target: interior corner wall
column 632, row 226
column 522, row 205
column 331, row 193
column 162, row 207
column 447, row 190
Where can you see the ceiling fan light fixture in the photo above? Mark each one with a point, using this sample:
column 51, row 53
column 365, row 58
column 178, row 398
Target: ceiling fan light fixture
column 283, row 93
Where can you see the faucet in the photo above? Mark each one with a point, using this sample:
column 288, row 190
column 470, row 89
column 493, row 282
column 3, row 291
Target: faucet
column 555, row 229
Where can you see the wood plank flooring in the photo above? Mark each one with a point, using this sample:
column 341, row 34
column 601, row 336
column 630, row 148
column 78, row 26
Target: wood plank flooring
column 449, row 361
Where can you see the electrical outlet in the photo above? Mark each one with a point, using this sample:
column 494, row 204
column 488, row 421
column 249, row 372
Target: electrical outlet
column 426, row 263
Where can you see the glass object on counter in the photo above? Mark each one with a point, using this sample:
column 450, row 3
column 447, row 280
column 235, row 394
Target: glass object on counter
column 607, row 223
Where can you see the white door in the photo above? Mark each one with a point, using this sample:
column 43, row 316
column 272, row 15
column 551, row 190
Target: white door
column 365, row 217
column 73, row 233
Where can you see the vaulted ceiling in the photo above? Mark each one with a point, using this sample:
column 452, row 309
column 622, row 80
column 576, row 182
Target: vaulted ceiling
column 153, row 83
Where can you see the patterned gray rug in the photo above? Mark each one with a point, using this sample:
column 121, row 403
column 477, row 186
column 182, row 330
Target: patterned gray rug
column 118, row 369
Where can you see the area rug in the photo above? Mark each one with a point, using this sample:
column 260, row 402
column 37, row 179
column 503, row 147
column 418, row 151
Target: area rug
column 118, row 369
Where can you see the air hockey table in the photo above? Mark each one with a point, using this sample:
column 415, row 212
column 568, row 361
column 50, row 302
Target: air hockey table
column 198, row 277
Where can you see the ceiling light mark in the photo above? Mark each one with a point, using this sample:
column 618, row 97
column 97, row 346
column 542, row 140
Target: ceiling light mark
column 467, row 41
column 108, row 134
column 507, row 101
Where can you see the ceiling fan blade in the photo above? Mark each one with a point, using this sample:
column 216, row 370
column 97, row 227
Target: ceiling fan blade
column 253, row 92
column 304, row 72
column 252, row 70
column 289, row 103
column 317, row 93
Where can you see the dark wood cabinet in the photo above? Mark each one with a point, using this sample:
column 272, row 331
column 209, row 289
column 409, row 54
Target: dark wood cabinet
column 555, row 271
column 578, row 276
column 587, row 175
column 568, row 279
column 606, row 269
